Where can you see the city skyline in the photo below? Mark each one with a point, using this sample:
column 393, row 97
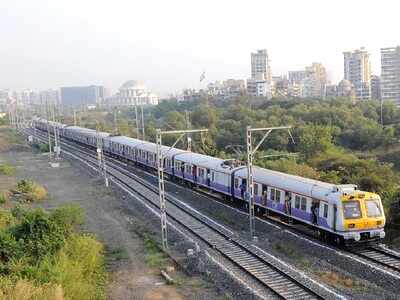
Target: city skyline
column 69, row 43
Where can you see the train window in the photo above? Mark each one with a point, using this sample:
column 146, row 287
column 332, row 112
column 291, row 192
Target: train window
column 278, row 195
column 297, row 202
column 351, row 210
column 303, row 203
column 236, row 183
column 256, row 189
column 272, row 194
column 325, row 211
column 373, row 208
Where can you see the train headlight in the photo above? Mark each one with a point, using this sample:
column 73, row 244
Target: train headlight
column 382, row 234
column 357, row 237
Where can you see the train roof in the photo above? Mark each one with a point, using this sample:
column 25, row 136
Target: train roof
column 297, row 184
column 87, row 131
column 128, row 141
column 205, row 161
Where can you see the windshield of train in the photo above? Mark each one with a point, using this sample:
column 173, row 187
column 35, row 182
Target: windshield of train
column 373, row 208
column 351, row 209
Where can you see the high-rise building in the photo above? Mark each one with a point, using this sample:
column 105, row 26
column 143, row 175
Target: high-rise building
column 390, row 74
column 260, row 83
column 357, row 70
column 82, row 95
column 375, row 87
column 260, row 65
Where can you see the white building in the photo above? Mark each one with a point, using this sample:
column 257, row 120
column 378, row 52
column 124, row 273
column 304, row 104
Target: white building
column 357, row 70
column 133, row 92
column 390, row 74
column 260, row 65
column 259, row 87
column 260, row 83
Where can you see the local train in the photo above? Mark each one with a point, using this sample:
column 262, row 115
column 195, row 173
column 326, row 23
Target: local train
column 340, row 213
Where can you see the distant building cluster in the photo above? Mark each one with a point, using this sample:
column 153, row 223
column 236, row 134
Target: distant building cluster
column 132, row 93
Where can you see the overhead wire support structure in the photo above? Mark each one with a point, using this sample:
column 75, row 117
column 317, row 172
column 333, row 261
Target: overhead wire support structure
column 160, row 171
column 250, row 156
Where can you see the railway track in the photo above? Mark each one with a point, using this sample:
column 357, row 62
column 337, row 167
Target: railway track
column 260, row 267
column 382, row 256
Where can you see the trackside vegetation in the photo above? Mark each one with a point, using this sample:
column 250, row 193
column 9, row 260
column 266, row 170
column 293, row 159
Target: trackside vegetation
column 42, row 256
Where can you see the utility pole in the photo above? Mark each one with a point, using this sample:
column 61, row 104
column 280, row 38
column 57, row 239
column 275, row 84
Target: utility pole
column 115, row 121
column 143, row 136
column 137, row 120
column 75, row 117
column 189, row 138
column 160, row 171
column 250, row 157
column 56, row 136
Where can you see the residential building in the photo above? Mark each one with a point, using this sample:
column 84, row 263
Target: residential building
column 49, row 96
column 296, row 76
column 279, row 86
column 357, row 70
column 375, row 87
column 390, row 74
column 260, row 65
column 133, row 92
column 82, row 95
column 259, row 87
column 226, row 89
column 294, row 89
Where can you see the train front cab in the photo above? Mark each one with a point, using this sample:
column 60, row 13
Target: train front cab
column 362, row 218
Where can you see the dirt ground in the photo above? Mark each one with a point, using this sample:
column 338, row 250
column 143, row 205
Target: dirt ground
column 130, row 276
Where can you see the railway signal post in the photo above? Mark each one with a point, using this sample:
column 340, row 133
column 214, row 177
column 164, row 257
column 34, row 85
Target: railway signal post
column 160, row 171
column 250, row 156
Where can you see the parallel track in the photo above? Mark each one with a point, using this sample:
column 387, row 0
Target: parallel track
column 259, row 266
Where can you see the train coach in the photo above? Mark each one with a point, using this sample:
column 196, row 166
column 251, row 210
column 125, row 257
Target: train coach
column 341, row 213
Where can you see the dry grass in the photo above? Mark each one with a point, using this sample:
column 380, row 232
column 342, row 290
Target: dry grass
column 31, row 190
column 6, row 169
column 336, row 280
column 25, row 290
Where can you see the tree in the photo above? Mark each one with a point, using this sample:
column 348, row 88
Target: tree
column 314, row 139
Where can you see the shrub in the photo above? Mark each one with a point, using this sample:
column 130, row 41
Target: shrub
column 4, row 197
column 6, row 219
column 9, row 247
column 39, row 234
column 68, row 216
column 78, row 267
column 6, row 169
column 33, row 191
column 44, row 148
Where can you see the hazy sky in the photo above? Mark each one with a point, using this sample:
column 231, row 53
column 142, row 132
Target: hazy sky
column 168, row 43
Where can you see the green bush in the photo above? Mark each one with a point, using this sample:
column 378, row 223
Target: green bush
column 9, row 247
column 39, row 234
column 68, row 216
column 44, row 148
column 6, row 169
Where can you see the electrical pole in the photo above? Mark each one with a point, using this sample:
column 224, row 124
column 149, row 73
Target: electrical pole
column 56, row 148
column 75, row 117
column 250, row 157
column 160, row 171
column 189, row 138
column 137, row 120
column 143, row 136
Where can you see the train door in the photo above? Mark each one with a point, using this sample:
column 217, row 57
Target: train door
column 314, row 211
column 243, row 187
column 194, row 173
column 208, row 177
column 288, row 203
